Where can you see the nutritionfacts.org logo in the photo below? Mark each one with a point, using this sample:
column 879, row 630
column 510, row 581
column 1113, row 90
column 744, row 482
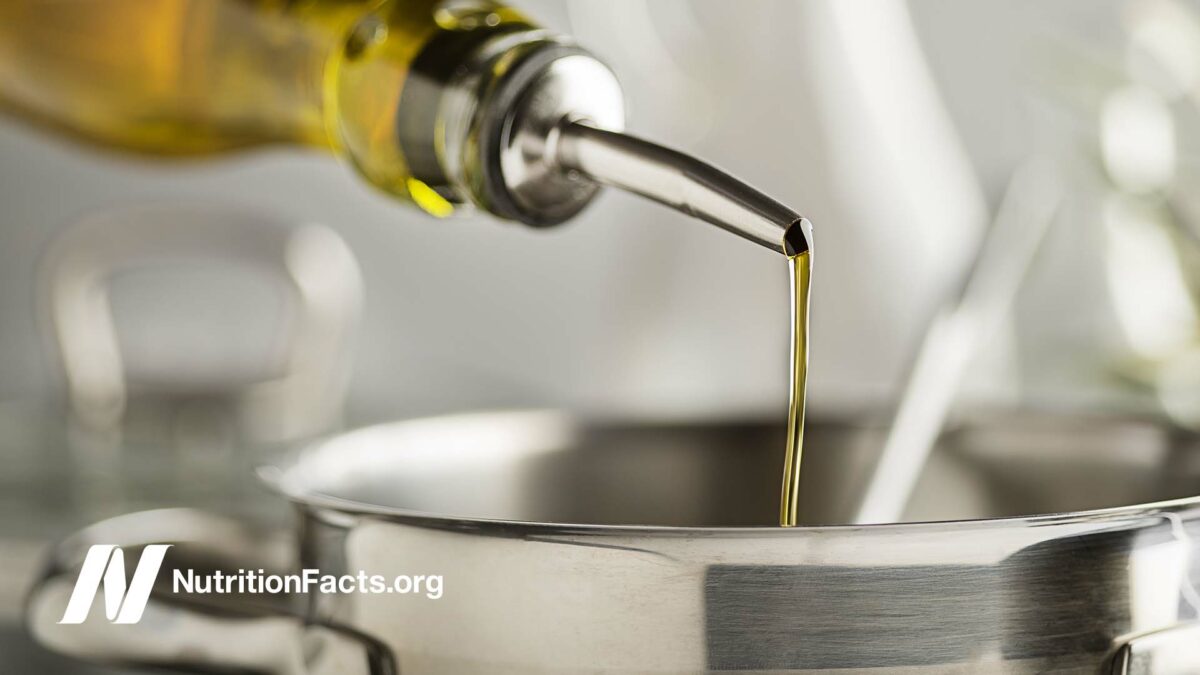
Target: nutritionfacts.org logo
column 124, row 602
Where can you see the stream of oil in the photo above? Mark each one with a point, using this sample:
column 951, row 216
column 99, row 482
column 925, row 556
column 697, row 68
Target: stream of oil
column 800, row 261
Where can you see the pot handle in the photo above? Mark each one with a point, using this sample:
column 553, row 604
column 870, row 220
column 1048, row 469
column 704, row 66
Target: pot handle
column 200, row 633
column 1170, row 651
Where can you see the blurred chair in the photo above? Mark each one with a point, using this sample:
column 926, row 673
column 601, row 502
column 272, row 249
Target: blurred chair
column 170, row 407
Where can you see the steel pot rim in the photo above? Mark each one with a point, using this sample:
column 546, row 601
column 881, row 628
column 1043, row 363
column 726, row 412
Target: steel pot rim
column 280, row 477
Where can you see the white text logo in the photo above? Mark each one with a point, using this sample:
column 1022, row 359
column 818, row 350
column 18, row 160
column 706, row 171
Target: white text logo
column 105, row 564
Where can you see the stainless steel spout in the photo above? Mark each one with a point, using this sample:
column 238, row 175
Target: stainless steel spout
column 535, row 126
column 681, row 182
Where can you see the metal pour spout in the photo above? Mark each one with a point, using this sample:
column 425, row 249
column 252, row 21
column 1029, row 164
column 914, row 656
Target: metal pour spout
column 681, row 182
column 533, row 129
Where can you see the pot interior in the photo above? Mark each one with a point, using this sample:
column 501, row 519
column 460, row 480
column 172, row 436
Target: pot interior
column 547, row 467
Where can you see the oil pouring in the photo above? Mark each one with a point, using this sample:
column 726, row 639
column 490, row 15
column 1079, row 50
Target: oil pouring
column 443, row 104
column 797, row 243
column 701, row 190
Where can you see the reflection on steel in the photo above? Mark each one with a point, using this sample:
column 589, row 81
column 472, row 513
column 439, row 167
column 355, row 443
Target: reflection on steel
column 655, row 564
column 1171, row 651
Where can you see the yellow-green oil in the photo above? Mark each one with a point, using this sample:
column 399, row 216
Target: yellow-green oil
column 801, row 276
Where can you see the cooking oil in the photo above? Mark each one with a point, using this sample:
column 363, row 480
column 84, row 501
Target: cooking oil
column 197, row 77
column 799, row 254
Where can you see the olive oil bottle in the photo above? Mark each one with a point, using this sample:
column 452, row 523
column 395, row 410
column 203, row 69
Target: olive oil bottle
column 195, row 77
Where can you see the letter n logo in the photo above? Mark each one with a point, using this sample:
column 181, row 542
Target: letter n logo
column 105, row 564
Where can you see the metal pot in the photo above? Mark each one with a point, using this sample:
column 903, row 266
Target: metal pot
column 670, row 564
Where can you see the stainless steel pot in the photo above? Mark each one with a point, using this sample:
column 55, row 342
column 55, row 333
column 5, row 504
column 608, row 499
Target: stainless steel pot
column 669, row 563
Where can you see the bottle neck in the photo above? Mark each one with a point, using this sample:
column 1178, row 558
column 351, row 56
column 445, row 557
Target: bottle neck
column 477, row 110
column 386, row 86
column 502, row 119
